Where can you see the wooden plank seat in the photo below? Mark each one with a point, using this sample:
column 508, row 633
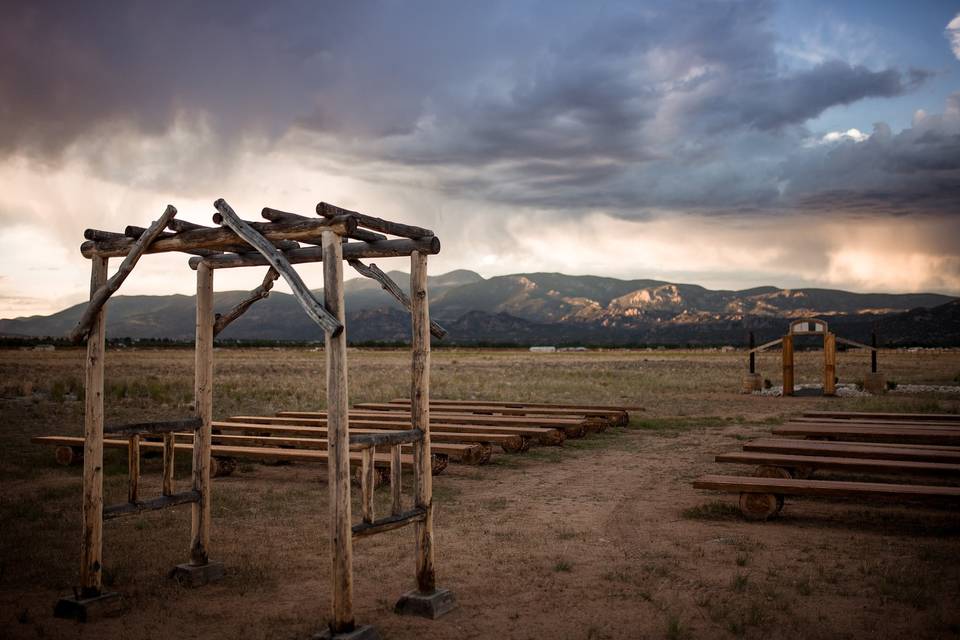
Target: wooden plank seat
column 762, row 497
column 522, row 403
column 573, row 428
column 543, row 435
column 878, row 423
column 869, row 450
column 859, row 432
column 510, row 443
column 223, row 454
column 881, row 415
column 808, row 463
column 616, row 417
column 472, row 453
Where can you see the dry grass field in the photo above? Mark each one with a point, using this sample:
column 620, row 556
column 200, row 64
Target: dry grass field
column 603, row 538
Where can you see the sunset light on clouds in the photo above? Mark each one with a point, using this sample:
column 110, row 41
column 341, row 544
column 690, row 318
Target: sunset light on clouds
column 728, row 144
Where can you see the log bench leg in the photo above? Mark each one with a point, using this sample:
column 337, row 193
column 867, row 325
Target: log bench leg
column 763, row 506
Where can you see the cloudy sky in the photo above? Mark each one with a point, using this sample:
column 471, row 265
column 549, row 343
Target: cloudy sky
column 729, row 144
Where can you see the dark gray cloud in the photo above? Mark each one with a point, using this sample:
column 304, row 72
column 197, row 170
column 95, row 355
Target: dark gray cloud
column 565, row 106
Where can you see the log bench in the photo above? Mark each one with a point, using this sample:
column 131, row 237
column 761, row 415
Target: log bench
column 573, row 428
column 510, row 443
column 870, row 450
column 545, row 436
column 762, row 497
column 70, row 450
column 910, row 435
column 474, row 453
column 616, row 417
column 806, row 464
column 878, row 423
column 880, row 415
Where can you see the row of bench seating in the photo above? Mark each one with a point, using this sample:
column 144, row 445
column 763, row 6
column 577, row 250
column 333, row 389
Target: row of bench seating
column 907, row 445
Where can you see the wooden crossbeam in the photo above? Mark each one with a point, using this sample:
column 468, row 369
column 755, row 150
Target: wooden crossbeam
column 390, row 523
column 879, row 415
column 351, row 250
column 263, row 291
column 374, row 272
column 161, row 426
column 301, row 292
column 161, row 502
column 101, row 295
column 275, row 215
column 221, row 238
column 377, row 224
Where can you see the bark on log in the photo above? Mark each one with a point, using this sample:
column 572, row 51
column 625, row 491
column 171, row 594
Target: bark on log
column 351, row 250
column 179, row 226
column 374, row 272
column 91, row 541
column 134, row 232
column 310, row 305
column 203, row 401
column 263, row 291
column 338, row 466
column 100, row 297
column 97, row 235
column 129, row 509
column 377, row 224
column 222, row 239
column 275, row 215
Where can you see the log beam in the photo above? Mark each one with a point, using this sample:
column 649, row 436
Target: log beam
column 377, row 224
column 108, row 288
column 263, row 291
column 374, row 272
column 301, row 292
column 223, row 239
column 275, row 215
column 351, row 250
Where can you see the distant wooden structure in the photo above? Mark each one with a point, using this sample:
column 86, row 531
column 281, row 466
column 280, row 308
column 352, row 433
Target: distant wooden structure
column 812, row 327
column 337, row 235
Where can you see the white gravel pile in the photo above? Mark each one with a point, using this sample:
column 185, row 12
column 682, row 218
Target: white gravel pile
column 925, row 388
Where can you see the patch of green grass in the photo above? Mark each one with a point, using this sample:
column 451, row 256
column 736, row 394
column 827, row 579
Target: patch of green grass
column 739, row 582
column 715, row 510
column 562, row 566
column 498, row 504
column 675, row 629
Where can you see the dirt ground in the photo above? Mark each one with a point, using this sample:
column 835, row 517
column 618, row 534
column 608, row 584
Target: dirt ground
column 602, row 538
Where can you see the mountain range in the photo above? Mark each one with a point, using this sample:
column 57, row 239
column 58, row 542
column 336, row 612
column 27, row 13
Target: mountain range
column 542, row 308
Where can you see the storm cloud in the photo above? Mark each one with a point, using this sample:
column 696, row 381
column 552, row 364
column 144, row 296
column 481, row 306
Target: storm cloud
column 464, row 116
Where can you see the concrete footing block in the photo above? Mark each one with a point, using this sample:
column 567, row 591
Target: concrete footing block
column 428, row 605
column 88, row 608
column 875, row 383
column 365, row 632
column 189, row 575
column 751, row 382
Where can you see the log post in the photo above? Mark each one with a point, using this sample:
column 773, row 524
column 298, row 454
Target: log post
column 203, row 399
column 396, row 481
column 829, row 364
column 91, row 545
column 788, row 365
column 753, row 355
column 367, row 484
column 420, row 419
column 133, row 468
column 427, row 600
column 168, row 464
column 873, row 352
column 338, row 448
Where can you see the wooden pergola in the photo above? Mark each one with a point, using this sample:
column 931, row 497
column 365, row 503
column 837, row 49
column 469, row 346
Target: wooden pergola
column 285, row 239
column 809, row 327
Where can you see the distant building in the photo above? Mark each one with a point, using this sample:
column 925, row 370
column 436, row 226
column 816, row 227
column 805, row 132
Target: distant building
column 543, row 349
